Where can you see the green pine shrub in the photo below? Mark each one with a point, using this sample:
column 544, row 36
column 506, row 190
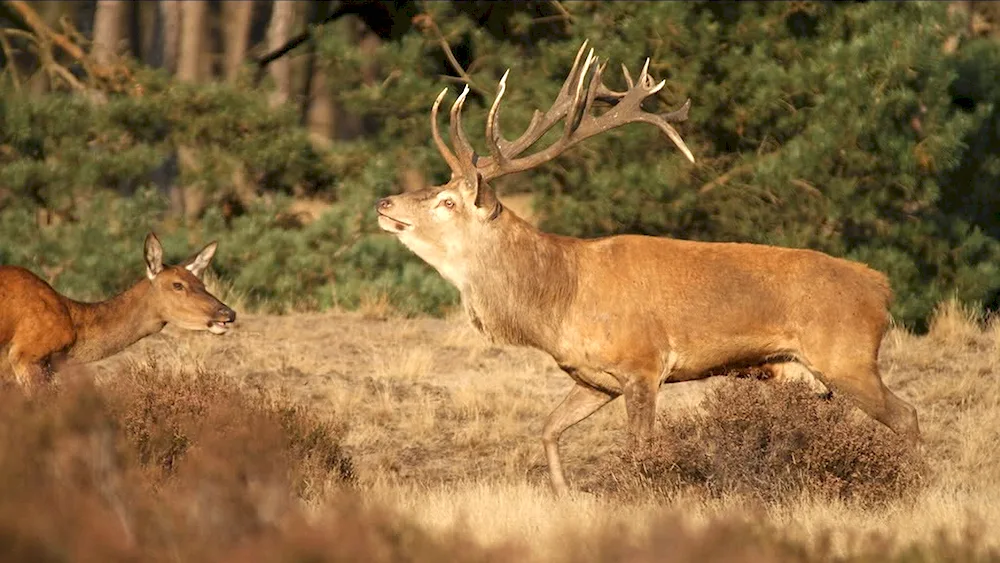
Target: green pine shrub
column 844, row 127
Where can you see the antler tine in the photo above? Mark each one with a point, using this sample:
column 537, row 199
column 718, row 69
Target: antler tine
column 449, row 157
column 493, row 134
column 658, row 87
column 628, row 77
column 463, row 149
column 610, row 96
column 576, row 62
column 579, row 105
column 678, row 115
column 644, row 77
column 583, row 110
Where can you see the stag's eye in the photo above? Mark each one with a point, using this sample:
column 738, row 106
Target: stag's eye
column 178, row 286
column 448, row 203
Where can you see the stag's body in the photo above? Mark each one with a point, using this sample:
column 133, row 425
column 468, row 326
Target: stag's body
column 41, row 329
column 623, row 315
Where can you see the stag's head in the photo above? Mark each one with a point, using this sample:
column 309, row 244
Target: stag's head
column 440, row 224
column 179, row 296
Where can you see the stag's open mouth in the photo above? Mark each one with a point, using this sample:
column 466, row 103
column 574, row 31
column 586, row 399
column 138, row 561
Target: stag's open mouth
column 219, row 327
column 391, row 224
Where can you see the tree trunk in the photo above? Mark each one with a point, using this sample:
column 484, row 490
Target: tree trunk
column 145, row 31
column 191, row 39
column 183, row 199
column 237, row 18
column 170, row 14
column 107, row 30
column 320, row 115
column 212, row 41
column 236, row 26
column 311, row 95
column 282, row 17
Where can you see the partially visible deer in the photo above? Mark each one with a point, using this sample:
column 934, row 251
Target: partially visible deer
column 41, row 329
column 623, row 315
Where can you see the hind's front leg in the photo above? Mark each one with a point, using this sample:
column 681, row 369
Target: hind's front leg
column 30, row 370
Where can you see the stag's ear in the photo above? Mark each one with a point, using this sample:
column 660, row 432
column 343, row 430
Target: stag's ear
column 153, row 253
column 469, row 185
column 486, row 200
column 199, row 262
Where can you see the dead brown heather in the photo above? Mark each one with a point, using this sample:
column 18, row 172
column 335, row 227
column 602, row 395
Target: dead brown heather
column 161, row 466
column 157, row 463
column 773, row 443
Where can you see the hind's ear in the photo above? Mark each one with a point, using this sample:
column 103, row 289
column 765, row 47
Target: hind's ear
column 198, row 263
column 153, row 253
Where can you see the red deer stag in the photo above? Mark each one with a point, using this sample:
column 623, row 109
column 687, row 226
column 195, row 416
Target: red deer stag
column 42, row 329
column 622, row 315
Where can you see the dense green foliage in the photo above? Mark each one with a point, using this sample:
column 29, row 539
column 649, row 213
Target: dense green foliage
column 842, row 127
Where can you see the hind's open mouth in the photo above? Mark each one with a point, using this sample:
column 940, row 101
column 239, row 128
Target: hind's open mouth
column 219, row 327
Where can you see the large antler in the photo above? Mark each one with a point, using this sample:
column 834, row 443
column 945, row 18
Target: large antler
column 573, row 104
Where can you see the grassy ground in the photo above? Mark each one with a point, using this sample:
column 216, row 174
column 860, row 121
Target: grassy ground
column 444, row 428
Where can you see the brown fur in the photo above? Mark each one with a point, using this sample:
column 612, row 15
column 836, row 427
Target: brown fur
column 625, row 314
column 41, row 329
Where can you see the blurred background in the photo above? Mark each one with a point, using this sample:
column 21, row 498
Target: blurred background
column 863, row 129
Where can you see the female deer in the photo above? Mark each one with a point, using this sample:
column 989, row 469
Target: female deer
column 41, row 329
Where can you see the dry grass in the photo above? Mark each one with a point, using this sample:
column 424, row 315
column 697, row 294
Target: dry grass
column 443, row 431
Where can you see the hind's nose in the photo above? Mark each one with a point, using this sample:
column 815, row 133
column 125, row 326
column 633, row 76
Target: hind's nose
column 226, row 313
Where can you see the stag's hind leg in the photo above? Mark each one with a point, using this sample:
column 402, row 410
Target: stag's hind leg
column 858, row 379
column 864, row 386
column 640, row 405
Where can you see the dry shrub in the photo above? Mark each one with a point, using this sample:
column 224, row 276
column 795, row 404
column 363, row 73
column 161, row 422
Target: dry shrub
column 352, row 530
column 742, row 540
column 168, row 417
column 772, row 442
column 158, row 467
column 164, row 466
column 155, row 466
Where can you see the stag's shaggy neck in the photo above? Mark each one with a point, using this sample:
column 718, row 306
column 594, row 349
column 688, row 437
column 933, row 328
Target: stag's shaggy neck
column 110, row 326
column 509, row 306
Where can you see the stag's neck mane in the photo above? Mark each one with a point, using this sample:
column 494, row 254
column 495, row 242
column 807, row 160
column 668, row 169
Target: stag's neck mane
column 521, row 283
column 108, row 327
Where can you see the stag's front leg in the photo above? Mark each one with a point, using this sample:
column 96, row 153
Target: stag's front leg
column 581, row 402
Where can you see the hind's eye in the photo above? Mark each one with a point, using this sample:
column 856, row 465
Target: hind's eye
column 178, row 286
column 448, row 203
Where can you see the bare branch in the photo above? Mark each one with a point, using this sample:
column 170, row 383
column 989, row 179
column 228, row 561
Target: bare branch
column 563, row 12
column 114, row 76
column 428, row 22
column 727, row 176
column 8, row 53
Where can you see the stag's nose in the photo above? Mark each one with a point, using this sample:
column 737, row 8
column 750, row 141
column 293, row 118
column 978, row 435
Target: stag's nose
column 383, row 204
column 226, row 313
